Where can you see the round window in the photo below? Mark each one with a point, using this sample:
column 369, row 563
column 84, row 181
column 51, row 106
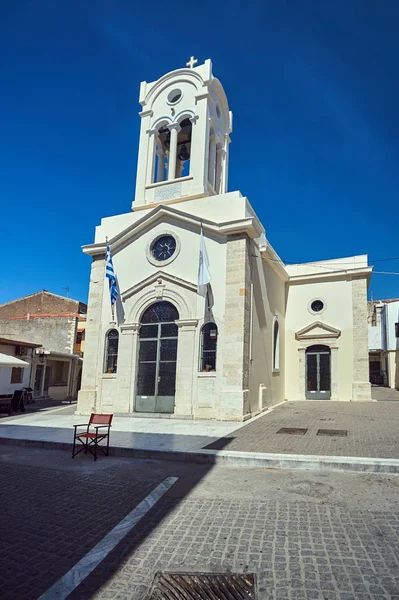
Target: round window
column 174, row 96
column 164, row 247
column 317, row 305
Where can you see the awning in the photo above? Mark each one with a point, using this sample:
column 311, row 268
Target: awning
column 11, row 361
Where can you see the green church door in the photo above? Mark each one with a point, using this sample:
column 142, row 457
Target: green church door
column 318, row 373
column 156, row 378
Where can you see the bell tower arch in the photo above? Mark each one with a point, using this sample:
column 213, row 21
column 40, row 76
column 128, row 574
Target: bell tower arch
column 184, row 137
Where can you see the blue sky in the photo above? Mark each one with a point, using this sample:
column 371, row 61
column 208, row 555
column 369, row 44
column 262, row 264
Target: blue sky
column 314, row 91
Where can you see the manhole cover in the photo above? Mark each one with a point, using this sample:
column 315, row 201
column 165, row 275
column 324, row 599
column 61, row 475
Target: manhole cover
column 333, row 432
column 209, row 586
column 292, row 430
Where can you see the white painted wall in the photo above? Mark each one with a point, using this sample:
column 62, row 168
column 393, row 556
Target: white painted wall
column 5, row 373
column 268, row 303
column 337, row 298
column 392, row 311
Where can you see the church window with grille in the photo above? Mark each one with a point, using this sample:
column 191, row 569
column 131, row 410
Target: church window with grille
column 111, row 351
column 209, row 338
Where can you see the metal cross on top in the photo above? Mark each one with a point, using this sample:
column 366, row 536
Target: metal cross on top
column 193, row 61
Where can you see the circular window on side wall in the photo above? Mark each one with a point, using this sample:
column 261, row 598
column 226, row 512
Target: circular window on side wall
column 174, row 96
column 317, row 306
column 163, row 249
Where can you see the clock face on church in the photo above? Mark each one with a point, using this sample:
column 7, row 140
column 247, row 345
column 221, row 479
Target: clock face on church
column 164, row 247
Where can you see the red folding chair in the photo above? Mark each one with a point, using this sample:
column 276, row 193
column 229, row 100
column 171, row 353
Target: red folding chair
column 91, row 440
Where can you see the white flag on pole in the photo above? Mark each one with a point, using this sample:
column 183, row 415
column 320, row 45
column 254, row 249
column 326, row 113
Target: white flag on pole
column 204, row 277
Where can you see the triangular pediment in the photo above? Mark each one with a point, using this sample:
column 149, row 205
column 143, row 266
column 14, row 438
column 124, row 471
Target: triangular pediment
column 158, row 280
column 317, row 330
column 248, row 224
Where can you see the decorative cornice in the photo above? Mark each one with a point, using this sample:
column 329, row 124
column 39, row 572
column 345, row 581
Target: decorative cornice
column 249, row 225
column 130, row 327
column 187, row 323
column 328, row 332
column 154, row 278
column 174, row 126
column 356, row 273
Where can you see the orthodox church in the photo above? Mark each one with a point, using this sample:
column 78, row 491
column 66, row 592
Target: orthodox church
column 272, row 332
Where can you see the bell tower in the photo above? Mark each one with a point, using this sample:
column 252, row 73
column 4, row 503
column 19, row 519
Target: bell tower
column 184, row 137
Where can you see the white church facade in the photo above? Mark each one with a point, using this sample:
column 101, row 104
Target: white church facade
column 278, row 332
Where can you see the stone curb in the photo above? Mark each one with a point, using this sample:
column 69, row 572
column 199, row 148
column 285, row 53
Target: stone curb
column 237, row 459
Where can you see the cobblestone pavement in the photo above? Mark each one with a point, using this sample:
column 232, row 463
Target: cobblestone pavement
column 372, row 430
column 384, row 394
column 50, row 518
column 305, row 535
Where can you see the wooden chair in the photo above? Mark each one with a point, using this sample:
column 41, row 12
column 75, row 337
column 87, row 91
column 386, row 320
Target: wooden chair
column 91, row 440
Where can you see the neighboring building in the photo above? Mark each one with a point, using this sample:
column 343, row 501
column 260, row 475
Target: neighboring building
column 278, row 331
column 57, row 324
column 16, row 360
column 383, row 326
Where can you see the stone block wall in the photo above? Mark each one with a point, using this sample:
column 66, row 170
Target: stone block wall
column 361, row 389
column 90, row 375
column 41, row 303
column 57, row 333
column 234, row 402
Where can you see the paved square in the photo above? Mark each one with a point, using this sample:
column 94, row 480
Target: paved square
column 307, row 536
column 373, row 430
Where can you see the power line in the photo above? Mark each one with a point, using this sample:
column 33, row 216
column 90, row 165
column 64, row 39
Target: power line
column 385, row 272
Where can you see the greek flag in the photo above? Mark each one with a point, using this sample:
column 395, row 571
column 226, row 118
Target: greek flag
column 110, row 274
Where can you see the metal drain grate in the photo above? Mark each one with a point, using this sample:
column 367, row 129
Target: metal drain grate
column 292, row 430
column 333, row 432
column 209, row 586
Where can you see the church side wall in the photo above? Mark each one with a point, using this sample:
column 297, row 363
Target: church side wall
column 268, row 303
column 337, row 313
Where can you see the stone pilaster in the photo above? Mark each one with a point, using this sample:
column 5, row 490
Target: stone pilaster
column 361, row 388
column 185, row 367
column 302, row 373
column 234, row 401
column 127, row 351
column 87, row 398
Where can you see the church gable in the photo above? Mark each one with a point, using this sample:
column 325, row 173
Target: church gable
column 158, row 281
column 318, row 330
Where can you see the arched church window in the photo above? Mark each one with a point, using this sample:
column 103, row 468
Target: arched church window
column 160, row 312
column 209, row 338
column 276, row 346
column 162, row 147
column 215, row 157
column 184, row 148
column 212, row 158
column 111, row 351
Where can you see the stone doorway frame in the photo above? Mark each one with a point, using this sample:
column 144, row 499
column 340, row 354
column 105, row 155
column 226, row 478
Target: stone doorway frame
column 318, row 333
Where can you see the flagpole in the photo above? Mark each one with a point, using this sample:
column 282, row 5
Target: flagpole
column 109, row 283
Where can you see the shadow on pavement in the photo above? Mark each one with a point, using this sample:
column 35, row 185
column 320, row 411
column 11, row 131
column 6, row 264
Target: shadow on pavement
column 54, row 515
